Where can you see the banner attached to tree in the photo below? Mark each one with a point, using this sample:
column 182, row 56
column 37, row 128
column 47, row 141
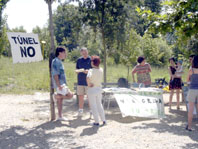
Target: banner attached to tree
column 25, row 47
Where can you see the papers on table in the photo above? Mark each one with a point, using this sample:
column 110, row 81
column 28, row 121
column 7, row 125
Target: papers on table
column 80, row 70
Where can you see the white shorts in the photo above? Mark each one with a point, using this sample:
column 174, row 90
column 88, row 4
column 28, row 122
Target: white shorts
column 64, row 91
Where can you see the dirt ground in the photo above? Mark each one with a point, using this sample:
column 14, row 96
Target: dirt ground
column 24, row 123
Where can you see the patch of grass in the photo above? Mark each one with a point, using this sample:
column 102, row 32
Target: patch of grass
column 28, row 78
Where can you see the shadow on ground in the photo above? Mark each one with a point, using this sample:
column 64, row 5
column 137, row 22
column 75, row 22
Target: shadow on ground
column 173, row 123
column 41, row 136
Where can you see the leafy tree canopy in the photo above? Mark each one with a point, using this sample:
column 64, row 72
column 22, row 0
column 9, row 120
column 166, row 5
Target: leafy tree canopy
column 2, row 6
column 180, row 16
column 104, row 14
column 68, row 24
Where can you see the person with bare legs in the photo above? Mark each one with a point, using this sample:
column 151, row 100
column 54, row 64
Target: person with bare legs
column 82, row 66
column 59, row 80
column 175, row 83
column 192, row 95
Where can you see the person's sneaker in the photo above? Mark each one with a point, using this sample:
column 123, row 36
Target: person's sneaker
column 80, row 112
column 90, row 112
column 95, row 124
column 104, row 123
column 189, row 129
column 62, row 119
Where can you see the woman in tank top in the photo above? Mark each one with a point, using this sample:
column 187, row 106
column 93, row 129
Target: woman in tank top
column 193, row 90
column 175, row 83
column 143, row 70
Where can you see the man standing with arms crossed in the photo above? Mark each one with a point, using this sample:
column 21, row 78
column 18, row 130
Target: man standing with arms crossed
column 82, row 66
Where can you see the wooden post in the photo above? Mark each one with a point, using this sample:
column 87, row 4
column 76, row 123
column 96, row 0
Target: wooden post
column 52, row 105
column 52, row 48
column 105, row 56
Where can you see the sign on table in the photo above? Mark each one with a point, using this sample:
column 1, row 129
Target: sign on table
column 144, row 102
column 25, row 47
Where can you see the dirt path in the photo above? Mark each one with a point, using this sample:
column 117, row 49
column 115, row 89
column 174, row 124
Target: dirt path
column 24, row 123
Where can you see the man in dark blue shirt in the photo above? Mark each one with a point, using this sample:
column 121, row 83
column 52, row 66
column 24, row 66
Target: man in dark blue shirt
column 82, row 66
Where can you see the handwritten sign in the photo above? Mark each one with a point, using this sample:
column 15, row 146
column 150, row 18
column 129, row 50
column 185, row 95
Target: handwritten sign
column 145, row 102
column 140, row 106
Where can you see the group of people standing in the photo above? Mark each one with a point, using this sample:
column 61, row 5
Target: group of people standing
column 89, row 77
column 90, row 74
column 143, row 70
column 175, row 84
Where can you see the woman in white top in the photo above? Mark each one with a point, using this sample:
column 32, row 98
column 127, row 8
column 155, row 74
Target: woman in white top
column 179, row 69
column 94, row 92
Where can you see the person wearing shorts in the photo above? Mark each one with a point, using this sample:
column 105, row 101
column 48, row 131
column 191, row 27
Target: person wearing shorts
column 83, row 64
column 175, row 83
column 59, row 80
column 193, row 90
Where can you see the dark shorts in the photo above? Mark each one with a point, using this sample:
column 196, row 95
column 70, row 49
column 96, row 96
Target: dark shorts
column 176, row 83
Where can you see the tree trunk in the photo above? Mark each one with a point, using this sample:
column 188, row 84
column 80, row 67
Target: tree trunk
column 128, row 73
column 105, row 56
column 52, row 48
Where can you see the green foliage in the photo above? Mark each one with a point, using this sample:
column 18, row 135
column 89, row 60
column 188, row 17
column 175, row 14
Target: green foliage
column 68, row 23
column 44, row 35
column 110, row 61
column 155, row 50
column 105, row 15
column 181, row 16
column 185, row 49
column 74, row 55
column 94, row 44
column 5, row 48
column 192, row 45
column 137, row 22
column 132, row 49
column 2, row 6
column 4, row 43
column 108, row 17
column 18, row 29
column 178, row 22
column 153, row 5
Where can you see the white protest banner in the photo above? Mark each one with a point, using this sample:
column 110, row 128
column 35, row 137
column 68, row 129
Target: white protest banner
column 140, row 106
column 141, row 103
column 25, row 47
